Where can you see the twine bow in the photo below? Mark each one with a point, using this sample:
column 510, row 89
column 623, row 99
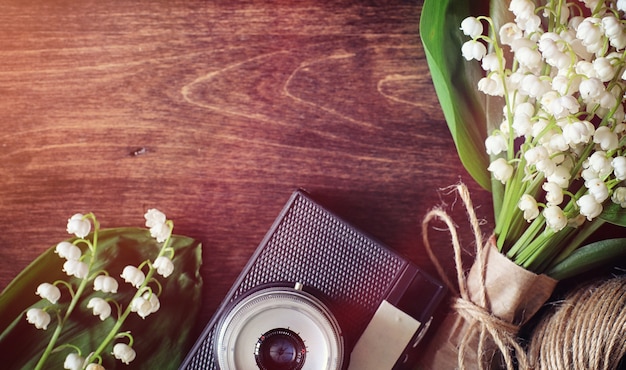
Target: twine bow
column 476, row 313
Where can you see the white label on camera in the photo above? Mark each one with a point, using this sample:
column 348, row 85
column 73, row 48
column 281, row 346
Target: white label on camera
column 384, row 339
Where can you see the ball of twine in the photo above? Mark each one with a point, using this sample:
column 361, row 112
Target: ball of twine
column 587, row 330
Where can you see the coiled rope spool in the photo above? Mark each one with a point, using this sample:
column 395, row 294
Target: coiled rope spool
column 587, row 330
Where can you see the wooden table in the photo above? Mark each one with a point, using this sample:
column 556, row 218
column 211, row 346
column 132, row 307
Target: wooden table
column 215, row 112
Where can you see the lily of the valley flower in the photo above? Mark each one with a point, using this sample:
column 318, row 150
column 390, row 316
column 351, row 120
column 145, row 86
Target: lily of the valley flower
column 76, row 268
column 133, row 276
column 100, row 307
column 157, row 222
column 164, row 266
column 38, row 317
column 555, row 218
column 145, row 305
column 49, row 291
column 78, row 225
column 124, row 352
column 93, row 366
column 528, row 204
column 589, row 206
column 501, row 170
column 619, row 196
column 559, row 144
column 73, row 361
column 105, row 284
column 472, row 27
column 68, row 251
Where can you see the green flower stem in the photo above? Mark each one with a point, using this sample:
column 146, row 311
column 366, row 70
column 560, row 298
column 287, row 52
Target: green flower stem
column 531, row 233
column 75, row 297
column 580, row 237
column 541, row 259
column 113, row 333
column 70, row 309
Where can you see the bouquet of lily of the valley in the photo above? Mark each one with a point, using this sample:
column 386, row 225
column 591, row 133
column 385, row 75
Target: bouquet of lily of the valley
column 105, row 299
column 534, row 96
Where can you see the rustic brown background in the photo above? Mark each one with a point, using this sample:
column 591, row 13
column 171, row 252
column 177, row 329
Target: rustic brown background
column 214, row 112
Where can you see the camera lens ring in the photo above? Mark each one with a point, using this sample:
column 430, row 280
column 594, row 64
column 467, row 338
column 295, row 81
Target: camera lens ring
column 280, row 349
column 279, row 308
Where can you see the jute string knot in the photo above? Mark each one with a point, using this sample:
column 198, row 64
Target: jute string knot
column 474, row 311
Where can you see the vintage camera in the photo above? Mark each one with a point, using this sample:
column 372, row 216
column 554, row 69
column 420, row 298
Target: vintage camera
column 319, row 294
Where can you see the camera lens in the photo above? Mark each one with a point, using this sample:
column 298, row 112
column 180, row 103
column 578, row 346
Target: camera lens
column 275, row 323
column 280, row 349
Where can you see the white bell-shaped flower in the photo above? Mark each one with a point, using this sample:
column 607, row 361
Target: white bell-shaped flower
column 49, row 291
column 124, row 353
column 78, row 225
column 105, row 283
column 471, row 27
column 607, row 139
column 619, row 167
column 73, row 361
column 528, row 204
column 133, row 276
column 38, row 317
column 589, row 206
column 164, row 266
column 154, row 217
column 160, row 232
column 100, row 307
column 76, row 268
column 473, row 49
column 68, row 251
column 501, row 170
column 94, row 366
column 555, row 218
column 598, row 189
column 554, row 193
column 619, row 196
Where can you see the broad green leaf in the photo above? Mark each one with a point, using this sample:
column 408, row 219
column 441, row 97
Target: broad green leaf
column 161, row 339
column 589, row 257
column 614, row 214
column 455, row 82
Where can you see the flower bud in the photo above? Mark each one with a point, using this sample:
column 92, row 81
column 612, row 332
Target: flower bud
column 78, row 225
column 124, row 353
column 49, row 291
column 38, row 317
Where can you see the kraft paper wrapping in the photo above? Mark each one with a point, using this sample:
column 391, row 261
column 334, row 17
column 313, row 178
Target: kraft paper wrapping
column 513, row 294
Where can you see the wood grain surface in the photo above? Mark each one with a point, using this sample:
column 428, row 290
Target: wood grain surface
column 215, row 112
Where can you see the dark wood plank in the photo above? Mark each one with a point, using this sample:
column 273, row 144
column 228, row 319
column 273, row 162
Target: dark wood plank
column 214, row 112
